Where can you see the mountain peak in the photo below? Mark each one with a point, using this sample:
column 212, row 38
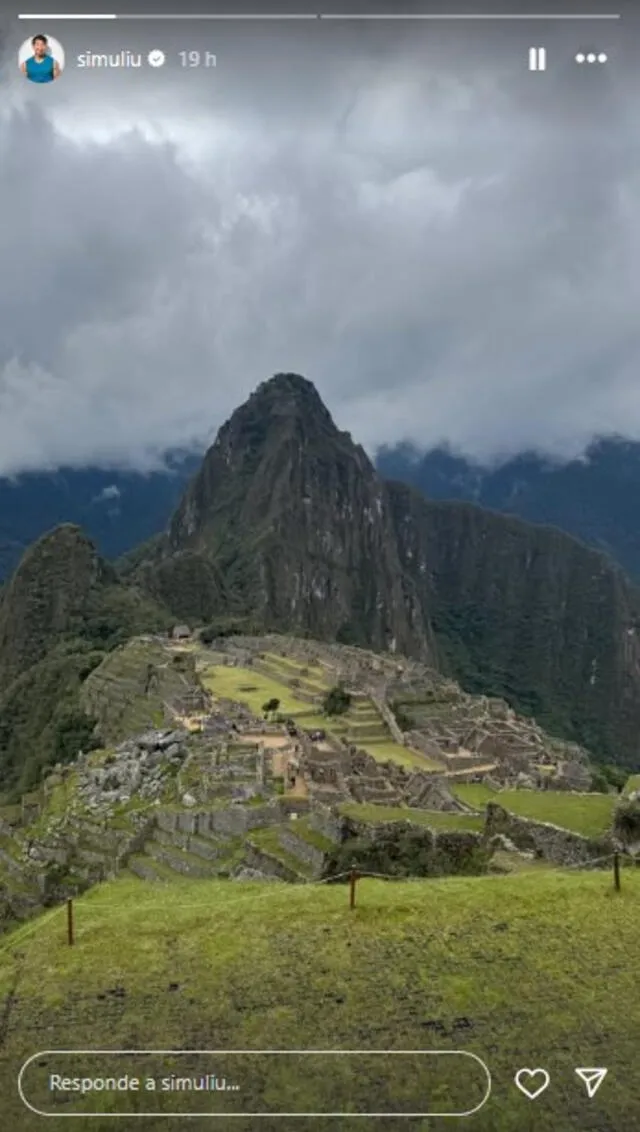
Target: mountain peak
column 285, row 397
column 44, row 596
column 290, row 513
column 291, row 385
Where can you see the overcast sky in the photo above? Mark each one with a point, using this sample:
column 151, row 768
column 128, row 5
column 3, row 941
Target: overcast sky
column 446, row 244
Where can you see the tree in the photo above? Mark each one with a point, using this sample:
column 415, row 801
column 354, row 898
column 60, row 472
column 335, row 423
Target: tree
column 615, row 775
column 74, row 732
column 337, row 701
column 270, row 707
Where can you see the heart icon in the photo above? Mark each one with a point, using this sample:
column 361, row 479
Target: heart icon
column 532, row 1082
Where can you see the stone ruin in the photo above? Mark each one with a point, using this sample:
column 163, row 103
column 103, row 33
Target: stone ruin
column 141, row 766
column 471, row 736
column 352, row 774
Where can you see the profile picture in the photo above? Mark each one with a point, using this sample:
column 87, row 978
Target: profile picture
column 41, row 59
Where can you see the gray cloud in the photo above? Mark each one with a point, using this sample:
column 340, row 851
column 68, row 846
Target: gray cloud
column 447, row 245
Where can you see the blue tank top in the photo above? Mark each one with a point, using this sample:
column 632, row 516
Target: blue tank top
column 40, row 72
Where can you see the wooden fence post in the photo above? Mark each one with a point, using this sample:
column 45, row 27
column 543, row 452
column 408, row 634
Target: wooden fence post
column 353, row 876
column 70, row 922
column 616, row 871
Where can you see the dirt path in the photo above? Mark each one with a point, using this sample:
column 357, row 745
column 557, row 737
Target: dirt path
column 268, row 739
column 484, row 768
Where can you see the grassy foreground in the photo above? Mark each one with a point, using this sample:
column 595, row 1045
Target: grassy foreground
column 532, row 970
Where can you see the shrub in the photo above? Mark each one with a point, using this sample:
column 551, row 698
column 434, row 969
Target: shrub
column 615, row 775
column 599, row 783
column 626, row 821
column 405, row 721
column 337, row 701
column 74, row 732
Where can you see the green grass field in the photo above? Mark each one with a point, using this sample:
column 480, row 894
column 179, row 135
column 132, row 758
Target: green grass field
column 433, row 819
column 254, row 689
column 589, row 814
column 313, row 674
column 251, row 688
column 475, row 794
column 530, row 970
column 385, row 751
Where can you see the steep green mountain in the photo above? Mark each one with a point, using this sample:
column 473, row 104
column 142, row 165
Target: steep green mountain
column 531, row 614
column 288, row 524
column 63, row 608
column 594, row 498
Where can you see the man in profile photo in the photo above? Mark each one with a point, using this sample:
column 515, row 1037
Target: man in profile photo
column 41, row 67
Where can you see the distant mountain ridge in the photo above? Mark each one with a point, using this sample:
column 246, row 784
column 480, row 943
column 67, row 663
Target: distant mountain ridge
column 597, row 498
column 117, row 509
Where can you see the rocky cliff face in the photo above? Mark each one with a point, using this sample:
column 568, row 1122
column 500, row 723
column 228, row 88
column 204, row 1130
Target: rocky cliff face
column 528, row 613
column 297, row 525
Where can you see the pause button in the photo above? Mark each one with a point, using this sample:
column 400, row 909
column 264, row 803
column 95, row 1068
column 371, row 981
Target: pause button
column 537, row 59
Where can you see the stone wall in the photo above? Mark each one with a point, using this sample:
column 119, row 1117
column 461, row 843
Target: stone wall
column 135, row 843
column 6, row 830
column 425, row 743
column 561, row 846
column 290, row 804
column 388, row 717
column 328, row 823
column 264, row 862
column 301, row 849
column 233, row 821
column 404, row 849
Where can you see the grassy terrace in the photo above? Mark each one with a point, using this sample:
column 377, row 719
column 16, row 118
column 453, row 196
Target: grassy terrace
column 388, row 750
column 589, row 814
column 312, row 675
column 252, row 688
column 247, row 686
column 449, row 964
column 431, row 818
column 268, row 839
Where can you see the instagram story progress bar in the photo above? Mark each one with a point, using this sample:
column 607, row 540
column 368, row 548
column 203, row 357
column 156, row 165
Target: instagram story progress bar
column 484, row 16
